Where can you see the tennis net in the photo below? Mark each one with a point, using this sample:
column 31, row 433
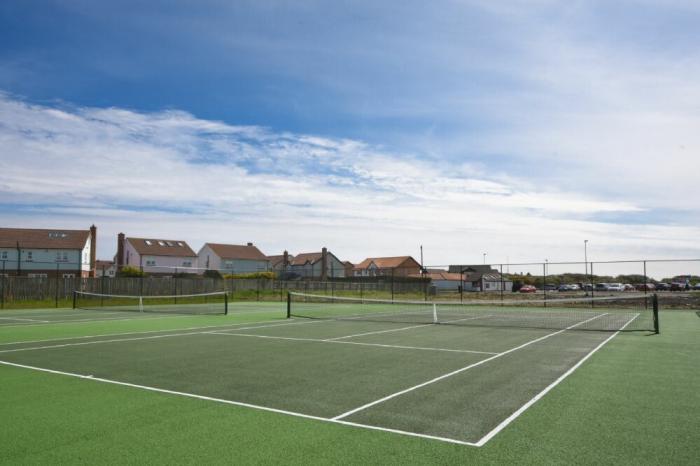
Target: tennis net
column 203, row 303
column 616, row 313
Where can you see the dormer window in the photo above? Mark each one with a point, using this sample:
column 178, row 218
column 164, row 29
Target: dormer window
column 57, row 234
column 169, row 243
column 149, row 242
column 161, row 243
column 179, row 243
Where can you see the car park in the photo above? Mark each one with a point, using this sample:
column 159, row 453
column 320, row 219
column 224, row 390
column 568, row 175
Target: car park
column 662, row 286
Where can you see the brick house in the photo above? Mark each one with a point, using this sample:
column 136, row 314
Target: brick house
column 401, row 266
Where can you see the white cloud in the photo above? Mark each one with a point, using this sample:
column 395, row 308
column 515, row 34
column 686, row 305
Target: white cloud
column 173, row 175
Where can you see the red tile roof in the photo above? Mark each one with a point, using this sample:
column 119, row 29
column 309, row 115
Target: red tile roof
column 43, row 239
column 389, row 262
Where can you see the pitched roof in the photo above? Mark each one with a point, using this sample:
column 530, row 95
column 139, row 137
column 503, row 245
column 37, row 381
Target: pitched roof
column 303, row 258
column 161, row 247
column 43, row 239
column 476, row 268
column 440, row 275
column 388, row 262
column 277, row 259
column 235, row 251
column 106, row 264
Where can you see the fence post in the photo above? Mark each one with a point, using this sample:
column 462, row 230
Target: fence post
column 592, row 287
column 544, row 282
column 656, row 313
column 503, row 285
column 56, row 283
column 2, row 287
column 392, row 285
column 646, row 304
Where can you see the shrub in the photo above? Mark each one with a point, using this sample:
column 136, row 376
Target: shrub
column 129, row 271
column 253, row 275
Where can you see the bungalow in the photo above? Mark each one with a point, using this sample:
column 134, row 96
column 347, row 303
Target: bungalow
column 105, row 269
column 317, row 265
column 443, row 280
column 155, row 256
column 42, row 253
column 402, row 266
column 233, row 258
column 482, row 278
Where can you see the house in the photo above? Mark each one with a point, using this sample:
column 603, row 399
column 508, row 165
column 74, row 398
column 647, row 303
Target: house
column 280, row 263
column 232, row 258
column 443, row 280
column 105, row 269
column 155, row 256
column 401, row 266
column 43, row 253
column 482, row 278
column 348, row 268
column 317, row 265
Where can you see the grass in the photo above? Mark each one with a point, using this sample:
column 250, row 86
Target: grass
column 634, row 402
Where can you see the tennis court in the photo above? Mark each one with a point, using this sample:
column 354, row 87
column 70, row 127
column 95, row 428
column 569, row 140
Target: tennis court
column 373, row 365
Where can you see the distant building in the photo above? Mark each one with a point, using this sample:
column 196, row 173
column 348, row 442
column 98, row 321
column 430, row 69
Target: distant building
column 105, row 269
column 42, row 253
column 232, row 258
column 280, row 263
column 401, row 266
column 482, row 278
column 317, row 265
column 443, row 280
column 155, row 256
column 348, row 268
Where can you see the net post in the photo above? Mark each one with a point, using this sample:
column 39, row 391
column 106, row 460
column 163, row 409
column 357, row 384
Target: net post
column 655, row 301
column 289, row 304
column 140, row 303
column 435, row 318
column 225, row 303
column 75, row 298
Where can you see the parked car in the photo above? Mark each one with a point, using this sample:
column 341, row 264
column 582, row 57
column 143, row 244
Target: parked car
column 587, row 287
column 616, row 287
column 569, row 287
column 662, row 286
column 678, row 286
column 697, row 286
column 601, row 287
column 645, row 287
column 628, row 287
column 528, row 289
column 550, row 288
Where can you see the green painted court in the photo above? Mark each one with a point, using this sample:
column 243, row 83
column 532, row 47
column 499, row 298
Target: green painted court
column 465, row 388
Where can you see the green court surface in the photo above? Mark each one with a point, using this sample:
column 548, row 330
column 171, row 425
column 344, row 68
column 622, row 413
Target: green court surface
column 255, row 387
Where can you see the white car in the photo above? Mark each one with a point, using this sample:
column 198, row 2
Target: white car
column 616, row 287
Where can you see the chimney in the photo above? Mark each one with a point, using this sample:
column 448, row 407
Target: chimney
column 285, row 260
column 324, row 264
column 93, row 250
column 250, row 244
column 120, row 251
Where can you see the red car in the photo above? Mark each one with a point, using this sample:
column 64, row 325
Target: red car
column 528, row 289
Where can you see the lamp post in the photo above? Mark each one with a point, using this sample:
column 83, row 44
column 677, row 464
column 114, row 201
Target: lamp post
column 585, row 258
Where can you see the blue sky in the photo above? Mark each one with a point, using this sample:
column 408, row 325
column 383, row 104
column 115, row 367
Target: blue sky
column 518, row 128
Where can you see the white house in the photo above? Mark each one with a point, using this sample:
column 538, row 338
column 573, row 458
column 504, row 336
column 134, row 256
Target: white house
column 232, row 258
column 155, row 256
column 47, row 253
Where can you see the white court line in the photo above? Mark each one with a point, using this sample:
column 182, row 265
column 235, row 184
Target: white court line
column 21, row 320
column 83, row 321
column 458, row 371
column 359, row 343
column 235, row 403
column 83, row 313
column 152, row 337
column 135, row 333
column 537, row 397
column 406, row 328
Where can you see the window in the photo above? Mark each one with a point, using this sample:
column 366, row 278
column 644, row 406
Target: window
column 151, row 262
column 187, row 263
column 57, row 234
column 169, row 243
column 179, row 243
column 149, row 242
column 3, row 255
column 61, row 256
column 37, row 275
column 30, row 256
column 68, row 275
column 161, row 243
